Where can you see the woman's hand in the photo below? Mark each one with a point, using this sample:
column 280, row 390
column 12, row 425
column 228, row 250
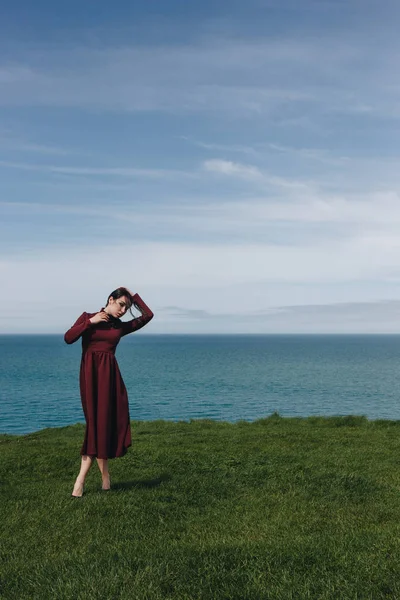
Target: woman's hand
column 99, row 317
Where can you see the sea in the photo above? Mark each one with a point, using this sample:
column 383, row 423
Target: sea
column 220, row 377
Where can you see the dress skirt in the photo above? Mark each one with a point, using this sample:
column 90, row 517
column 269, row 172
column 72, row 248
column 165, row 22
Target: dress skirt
column 105, row 406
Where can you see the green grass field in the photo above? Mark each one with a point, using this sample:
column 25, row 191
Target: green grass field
column 280, row 508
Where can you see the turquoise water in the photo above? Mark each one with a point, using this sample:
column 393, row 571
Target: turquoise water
column 228, row 377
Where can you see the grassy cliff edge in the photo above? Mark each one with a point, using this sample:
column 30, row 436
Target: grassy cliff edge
column 277, row 508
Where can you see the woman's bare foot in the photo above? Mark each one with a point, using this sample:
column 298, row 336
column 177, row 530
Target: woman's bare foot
column 77, row 492
column 106, row 486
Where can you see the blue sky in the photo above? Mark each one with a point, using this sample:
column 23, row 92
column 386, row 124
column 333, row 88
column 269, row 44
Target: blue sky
column 236, row 163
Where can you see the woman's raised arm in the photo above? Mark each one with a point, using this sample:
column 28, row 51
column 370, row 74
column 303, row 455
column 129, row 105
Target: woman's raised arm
column 138, row 322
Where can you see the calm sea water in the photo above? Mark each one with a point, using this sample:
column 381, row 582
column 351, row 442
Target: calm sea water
column 221, row 377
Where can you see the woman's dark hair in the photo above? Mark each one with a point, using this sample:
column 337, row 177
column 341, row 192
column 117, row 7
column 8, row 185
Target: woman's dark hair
column 118, row 293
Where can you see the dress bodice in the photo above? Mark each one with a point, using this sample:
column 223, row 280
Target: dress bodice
column 102, row 337
column 105, row 336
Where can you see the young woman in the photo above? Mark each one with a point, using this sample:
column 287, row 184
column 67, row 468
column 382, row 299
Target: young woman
column 103, row 392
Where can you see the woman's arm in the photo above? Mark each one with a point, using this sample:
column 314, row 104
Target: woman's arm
column 74, row 333
column 139, row 322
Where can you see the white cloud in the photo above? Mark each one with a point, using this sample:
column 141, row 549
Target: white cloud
column 226, row 167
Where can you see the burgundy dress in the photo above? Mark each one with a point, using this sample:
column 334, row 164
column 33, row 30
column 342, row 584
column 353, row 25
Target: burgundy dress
column 103, row 392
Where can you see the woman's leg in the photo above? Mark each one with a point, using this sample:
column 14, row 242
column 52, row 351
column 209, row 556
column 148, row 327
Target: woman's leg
column 86, row 463
column 103, row 466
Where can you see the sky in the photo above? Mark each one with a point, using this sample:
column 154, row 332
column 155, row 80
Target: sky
column 235, row 163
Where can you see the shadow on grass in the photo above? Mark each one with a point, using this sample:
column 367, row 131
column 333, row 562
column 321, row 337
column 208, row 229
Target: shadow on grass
column 141, row 483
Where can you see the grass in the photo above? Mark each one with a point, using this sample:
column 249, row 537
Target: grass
column 280, row 508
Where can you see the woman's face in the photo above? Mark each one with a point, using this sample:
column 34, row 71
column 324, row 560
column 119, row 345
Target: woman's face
column 117, row 308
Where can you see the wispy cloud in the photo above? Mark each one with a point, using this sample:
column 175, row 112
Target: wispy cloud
column 226, row 148
column 255, row 175
column 19, row 145
column 261, row 150
column 104, row 171
column 314, row 154
column 275, row 221
column 381, row 310
column 204, row 76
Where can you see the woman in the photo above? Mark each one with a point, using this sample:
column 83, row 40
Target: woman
column 103, row 392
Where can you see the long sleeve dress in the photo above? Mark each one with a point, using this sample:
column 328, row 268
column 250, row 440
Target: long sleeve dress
column 103, row 392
